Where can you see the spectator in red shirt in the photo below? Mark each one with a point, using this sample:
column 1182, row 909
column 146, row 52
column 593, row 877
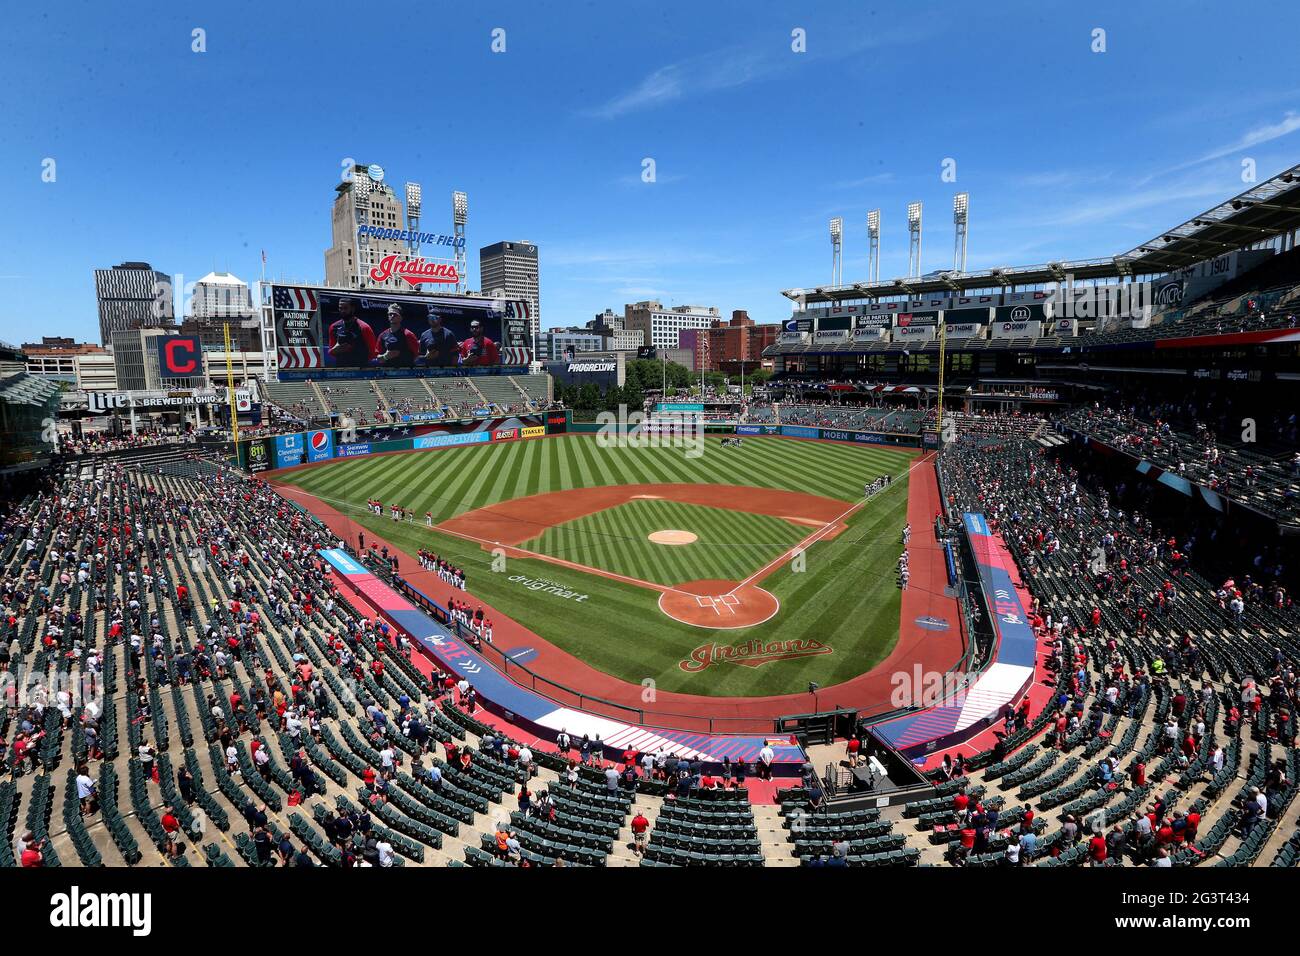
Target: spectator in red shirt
column 172, row 828
column 31, row 852
column 1097, row 849
column 639, row 827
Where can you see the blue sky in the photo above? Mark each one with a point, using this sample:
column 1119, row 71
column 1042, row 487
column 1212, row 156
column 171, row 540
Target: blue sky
column 198, row 161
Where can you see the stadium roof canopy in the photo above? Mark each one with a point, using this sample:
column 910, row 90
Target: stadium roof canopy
column 1260, row 213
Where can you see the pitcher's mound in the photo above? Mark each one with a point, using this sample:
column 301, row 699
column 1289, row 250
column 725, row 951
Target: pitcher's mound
column 673, row 537
column 719, row 604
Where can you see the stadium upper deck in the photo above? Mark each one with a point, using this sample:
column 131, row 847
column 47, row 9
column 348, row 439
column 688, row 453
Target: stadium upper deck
column 1230, row 271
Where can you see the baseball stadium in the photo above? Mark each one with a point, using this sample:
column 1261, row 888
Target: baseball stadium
column 976, row 567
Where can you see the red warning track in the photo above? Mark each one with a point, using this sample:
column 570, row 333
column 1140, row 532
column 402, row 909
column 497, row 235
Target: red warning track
column 929, row 633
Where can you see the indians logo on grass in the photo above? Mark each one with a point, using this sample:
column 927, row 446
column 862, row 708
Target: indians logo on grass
column 752, row 653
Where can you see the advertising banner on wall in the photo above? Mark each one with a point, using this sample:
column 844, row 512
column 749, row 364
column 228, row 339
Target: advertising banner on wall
column 963, row 330
column 1025, row 312
column 258, row 455
column 320, row 445
column 834, row 323
column 603, row 373
column 445, row 440
column 289, row 450
column 1016, row 330
column 557, row 423
column 914, row 333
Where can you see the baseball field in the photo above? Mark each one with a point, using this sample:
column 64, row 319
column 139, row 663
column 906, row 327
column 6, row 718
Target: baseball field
column 727, row 572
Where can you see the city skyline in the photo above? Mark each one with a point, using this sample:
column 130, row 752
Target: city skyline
column 705, row 173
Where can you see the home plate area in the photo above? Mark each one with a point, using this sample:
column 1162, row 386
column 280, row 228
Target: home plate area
column 723, row 605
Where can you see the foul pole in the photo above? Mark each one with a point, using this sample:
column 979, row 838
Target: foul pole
column 230, row 390
column 943, row 338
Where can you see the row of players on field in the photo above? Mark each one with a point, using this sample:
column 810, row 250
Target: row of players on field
column 353, row 343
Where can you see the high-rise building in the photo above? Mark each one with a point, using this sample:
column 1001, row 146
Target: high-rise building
column 132, row 295
column 220, row 295
column 661, row 327
column 364, row 200
column 135, row 359
column 222, row 300
column 511, row 267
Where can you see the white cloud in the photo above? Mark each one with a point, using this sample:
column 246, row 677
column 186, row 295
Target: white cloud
column 736, row 66
column 1111, row 207
column 696, row 75
column 1265, row 133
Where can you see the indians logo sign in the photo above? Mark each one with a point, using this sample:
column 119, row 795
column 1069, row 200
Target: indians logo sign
column 414, row 271
column 751, row 653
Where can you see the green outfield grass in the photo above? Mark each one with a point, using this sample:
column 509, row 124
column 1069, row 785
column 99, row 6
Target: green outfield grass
column 846, row 597
column 731, row 545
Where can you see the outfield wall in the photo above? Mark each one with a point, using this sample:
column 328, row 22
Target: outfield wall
column 898, row 439
column 324, row 444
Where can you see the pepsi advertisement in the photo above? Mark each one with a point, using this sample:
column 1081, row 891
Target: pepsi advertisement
column 320, row 445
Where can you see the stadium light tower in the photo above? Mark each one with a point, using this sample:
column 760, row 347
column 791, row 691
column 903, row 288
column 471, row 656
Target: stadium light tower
column 459, row 216
column 913, row 239
column 873, row 245
column 837, row 250
column 413, row 217
column 960, row 218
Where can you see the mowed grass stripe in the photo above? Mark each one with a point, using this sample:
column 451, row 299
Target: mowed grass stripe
column 731, row 545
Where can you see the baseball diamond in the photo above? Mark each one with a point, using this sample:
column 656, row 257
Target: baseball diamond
column 570, row 510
